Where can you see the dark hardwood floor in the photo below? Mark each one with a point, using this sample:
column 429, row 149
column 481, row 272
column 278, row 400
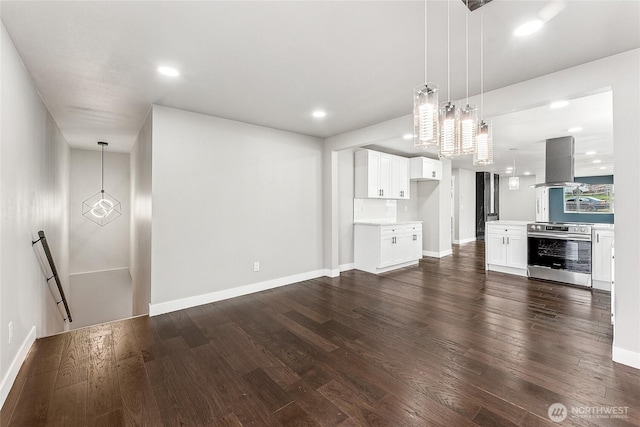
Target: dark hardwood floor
column 439, row 344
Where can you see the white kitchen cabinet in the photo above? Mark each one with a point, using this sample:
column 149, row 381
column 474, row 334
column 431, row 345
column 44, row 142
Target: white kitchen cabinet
column 506, row 248
column 424, row 168
column 381, row 175
column 601, row 244
column 379, row 248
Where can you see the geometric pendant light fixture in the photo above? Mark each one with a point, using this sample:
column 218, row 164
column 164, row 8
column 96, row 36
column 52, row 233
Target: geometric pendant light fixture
column 425, row 105
column 101, row 208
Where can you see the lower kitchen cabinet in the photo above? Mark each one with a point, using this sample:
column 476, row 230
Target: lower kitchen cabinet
column 506, row 248
column 379, row 248
column 601, row 243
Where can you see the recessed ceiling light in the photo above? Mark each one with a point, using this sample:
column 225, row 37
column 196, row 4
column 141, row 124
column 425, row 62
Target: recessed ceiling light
column 319, row 114
column 590, row 153
column 528, row 28
column 527, row 173
column 558, row 104
column 574, row 129
column 597, row 161
column 408, row 136
column 168, row 71
column 602, row 167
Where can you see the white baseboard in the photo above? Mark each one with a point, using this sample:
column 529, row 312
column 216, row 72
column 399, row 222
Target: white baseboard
column 437, row 254
column 626, row 357
column 14, row 368
column 98, row 271
column 347, row 267
column 469, row 240
column 331, row 273
column 180, row 304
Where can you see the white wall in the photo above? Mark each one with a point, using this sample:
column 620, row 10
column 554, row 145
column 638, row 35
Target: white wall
column 94, row 248
column 140, row 246
column 100, row 297
column 227, row 194
column 34, row 162
column 464, row 211
column 518, row 204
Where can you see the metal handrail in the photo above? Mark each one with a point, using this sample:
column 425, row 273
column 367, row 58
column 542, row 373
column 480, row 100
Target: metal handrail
column 45, row 246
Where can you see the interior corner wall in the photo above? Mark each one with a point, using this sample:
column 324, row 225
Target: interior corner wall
column 464, row 206
column 94, row 248
column 520, row 204
column 227, row 194
column 34, row 162
column 141, row 208
column 345, row 207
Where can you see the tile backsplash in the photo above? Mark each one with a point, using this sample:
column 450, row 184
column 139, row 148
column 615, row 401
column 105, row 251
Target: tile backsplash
column 374, row 210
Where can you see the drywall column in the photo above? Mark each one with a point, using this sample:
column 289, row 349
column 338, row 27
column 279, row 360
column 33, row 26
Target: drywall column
column 464, row 206
column 434, row 210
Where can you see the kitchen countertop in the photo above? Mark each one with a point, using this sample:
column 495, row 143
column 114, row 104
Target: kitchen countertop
column 508, row 222
column 386, row 223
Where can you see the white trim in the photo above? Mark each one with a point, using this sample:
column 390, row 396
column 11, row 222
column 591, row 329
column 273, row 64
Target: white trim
column 437, row 254
column 99, row 271
column 469, row 240
column 346, row 267
column 626, row 357
column 331, row 273
column 14, row 368
column 180, row 304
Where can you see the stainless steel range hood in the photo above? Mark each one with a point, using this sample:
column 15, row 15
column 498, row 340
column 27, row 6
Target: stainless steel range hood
column 559, row 158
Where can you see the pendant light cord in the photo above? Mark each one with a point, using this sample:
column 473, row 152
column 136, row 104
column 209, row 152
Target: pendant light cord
column 467, row 44
column 102, row 168
column 482, row 62
column 449, row 51
column 426, row 82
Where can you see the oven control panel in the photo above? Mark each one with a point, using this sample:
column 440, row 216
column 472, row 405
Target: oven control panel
column 560, row 228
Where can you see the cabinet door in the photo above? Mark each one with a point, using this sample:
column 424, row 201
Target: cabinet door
column 384, row 176
column 400, row 249
column 394, row 178
column 496, row 248
column 386, row 251
column 542, row 203
column 414, row 245
column 601, row 256
column 403, row 178
column 516, row 250
column 373, row 174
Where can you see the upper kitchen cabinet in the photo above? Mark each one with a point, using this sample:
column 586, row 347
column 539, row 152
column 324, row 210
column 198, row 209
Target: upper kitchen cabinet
column 381, row 175
column 424, row 168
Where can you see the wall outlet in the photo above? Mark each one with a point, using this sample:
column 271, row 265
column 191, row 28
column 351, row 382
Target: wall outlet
column 256, row 266
column 10, row 332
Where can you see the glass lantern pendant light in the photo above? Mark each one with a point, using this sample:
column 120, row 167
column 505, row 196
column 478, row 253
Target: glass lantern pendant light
column 448, row 114
column 469, row 113
column 101, row 208
column 483, row 154
column 425, row 105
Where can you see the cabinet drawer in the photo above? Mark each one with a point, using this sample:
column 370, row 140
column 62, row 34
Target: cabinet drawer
column 391, row 229
column 413, row 228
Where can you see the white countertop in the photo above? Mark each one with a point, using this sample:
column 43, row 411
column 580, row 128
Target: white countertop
column 377, row 223
column 508, row 222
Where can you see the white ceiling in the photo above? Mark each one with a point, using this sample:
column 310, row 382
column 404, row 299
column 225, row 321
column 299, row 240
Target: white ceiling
column 272, row 63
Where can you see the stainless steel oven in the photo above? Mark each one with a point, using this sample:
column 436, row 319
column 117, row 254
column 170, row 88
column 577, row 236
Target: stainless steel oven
column 559, row 252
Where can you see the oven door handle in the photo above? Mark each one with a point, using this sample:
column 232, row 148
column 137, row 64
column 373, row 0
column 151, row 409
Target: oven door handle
column 581, row 237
